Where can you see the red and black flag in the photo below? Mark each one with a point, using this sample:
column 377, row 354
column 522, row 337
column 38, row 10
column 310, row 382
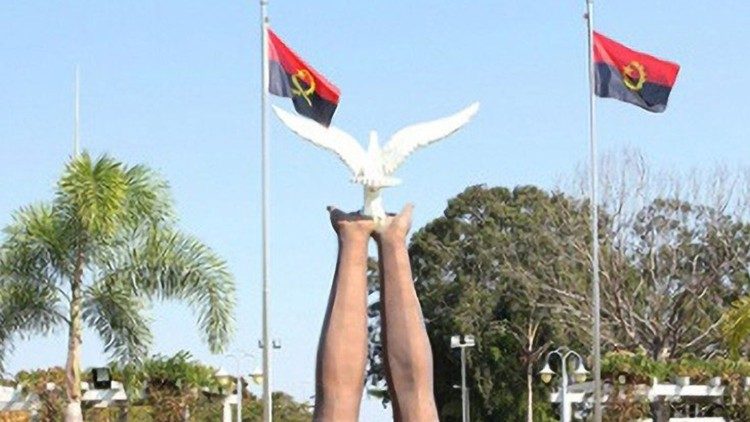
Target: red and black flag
column 289, row 76
column 632, row 76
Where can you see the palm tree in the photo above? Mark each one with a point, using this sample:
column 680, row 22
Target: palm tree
column 97, row 254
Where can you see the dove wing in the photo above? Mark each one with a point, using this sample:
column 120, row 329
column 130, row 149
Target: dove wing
column 408, row 139
column 330, row 138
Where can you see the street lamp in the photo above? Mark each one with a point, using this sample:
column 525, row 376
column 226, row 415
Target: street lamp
column 257, row 376
column 546, row 373
column 237, row 356
column 223, row 376
column 579, row 375
column 102, row 378
column 462, row 342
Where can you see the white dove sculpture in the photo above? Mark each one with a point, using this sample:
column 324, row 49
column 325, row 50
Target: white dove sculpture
column 374, row 168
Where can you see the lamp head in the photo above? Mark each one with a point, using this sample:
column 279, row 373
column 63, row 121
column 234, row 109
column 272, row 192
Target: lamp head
column 463, row 341
column 257, row 376
column 223, row 377
column 102, row 378
column 455, row 342
column 546, row 373
column 581, row 373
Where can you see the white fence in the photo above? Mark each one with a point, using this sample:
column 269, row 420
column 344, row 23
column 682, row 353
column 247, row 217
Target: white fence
column 582, row 393
column 14, row 399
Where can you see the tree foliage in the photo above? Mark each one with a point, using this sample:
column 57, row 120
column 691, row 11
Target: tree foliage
column 173, row 386
column 160, row 388
column 479, row 269
column 98, row 254
column 119, row 221
column 512, row 267
column 676, row 255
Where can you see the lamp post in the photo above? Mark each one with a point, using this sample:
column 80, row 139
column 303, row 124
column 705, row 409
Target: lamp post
column 102, row 378
column 237, row 356
column 579, row 375
column 462, row 342
column 257, row 376
column 225, row 379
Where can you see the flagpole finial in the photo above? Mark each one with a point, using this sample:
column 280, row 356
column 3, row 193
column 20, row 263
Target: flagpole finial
column 77, row 112
column 264, row 12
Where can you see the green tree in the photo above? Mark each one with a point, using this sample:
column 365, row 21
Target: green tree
column 285, row 409
column 502, row 264
column 736, row 326
column 174, row 386
column 674, row 256
column 377, row 386
column 96, row 255
column 487, row 267
column 47, row 385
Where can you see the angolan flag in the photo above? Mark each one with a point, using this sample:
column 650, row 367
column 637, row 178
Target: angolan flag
column 632, row 76
column 289, row 76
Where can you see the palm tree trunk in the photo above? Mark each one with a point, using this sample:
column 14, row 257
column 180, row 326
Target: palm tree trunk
column 124, row 411
column 529, row 393
column 531, row 330
column 660, row 411
column 73, row 411
column 186, row 414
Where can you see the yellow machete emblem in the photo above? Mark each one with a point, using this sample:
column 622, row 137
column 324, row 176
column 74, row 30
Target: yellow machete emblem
column 303, row 76
column 634, row 76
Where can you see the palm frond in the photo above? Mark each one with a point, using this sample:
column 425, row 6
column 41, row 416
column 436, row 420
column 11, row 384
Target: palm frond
column 118, row 316
column 148, row 198
column 92, row 194
column 26, row 309
column 37, row 246
column 172, row 265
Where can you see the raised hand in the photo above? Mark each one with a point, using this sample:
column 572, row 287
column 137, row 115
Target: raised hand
column 351, row 225
column 396, row 227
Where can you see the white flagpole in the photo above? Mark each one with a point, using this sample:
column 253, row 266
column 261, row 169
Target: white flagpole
column 77, row 122
column 267, row 400
column 594, row 185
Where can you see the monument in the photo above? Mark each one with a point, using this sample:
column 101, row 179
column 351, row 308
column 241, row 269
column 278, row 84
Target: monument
column 342, row 350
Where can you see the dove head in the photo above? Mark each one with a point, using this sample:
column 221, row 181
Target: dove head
column 373, row 146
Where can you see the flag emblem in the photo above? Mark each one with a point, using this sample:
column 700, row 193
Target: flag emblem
column 303, row 76
column 289, row 76
column 632, row 76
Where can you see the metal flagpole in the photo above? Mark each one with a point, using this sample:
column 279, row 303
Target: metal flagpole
column 77, row 122
column 464, row 391
column 267, row 400
column 594, row 220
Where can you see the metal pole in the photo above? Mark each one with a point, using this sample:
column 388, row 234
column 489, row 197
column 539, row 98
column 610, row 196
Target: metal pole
column 239, row 391
column 468, row 406
column 594, row 219
column 564, row 389
column 238, row 361
column 77, row 121
column 267, row 400
column 464, row 396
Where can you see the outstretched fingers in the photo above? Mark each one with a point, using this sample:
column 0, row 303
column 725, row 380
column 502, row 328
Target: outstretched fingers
column 350, row 223
column 397, row 226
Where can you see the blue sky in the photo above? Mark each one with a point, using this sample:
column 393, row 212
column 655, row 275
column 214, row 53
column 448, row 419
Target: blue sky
column 175, row 85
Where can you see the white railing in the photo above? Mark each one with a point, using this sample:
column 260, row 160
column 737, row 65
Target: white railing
column 581, row 393
column 14, row 399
